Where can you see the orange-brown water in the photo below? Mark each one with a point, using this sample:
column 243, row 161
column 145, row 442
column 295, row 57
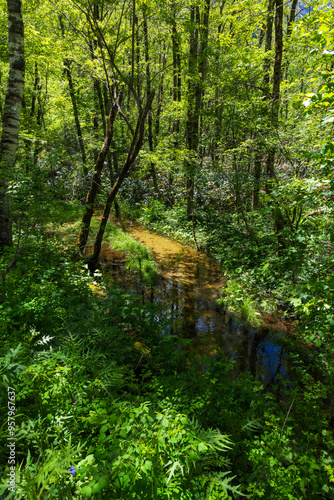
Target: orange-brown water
column 188, row 290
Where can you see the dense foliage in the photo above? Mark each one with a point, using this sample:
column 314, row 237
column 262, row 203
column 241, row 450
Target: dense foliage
column 108, row 406
column 214, row 122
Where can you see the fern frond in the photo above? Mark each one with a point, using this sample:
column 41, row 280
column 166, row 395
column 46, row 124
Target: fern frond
column 223, row 480
column 252, row 425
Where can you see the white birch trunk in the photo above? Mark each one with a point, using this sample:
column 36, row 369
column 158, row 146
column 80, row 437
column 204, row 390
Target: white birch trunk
column 11, row 116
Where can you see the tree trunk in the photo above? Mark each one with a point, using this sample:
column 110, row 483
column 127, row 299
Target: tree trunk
column 149, row 118
column 176, row 99
column 192, row 114
column 257, row 180
column 266, row 79
column 268, row 42
column 160, row 97
column 277, row 215
column 11, row 116
column 197, row 65
column 97, row 87
column 292, row 17
column 67, row 70
column 36, row 90
column 176, row 72
column 285, row 71
column 95, row 184
column 134, row 149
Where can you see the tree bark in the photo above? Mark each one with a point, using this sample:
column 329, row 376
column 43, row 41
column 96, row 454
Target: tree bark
column 176, row 98
column 176, row 70
column 160, row 97
column 11, row 116
column 285, row 71
column 134, row 149
column 197, row 64
column 149, row 118
column 266, row 80
column 192, row 114
column 277, row 73
column 268, row 42
column 257, row 180
column 96, row 180
column 67, row 70
column 37, row 88
column 292, row 16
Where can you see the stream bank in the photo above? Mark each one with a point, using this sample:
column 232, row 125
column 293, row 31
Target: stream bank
column 188, row 289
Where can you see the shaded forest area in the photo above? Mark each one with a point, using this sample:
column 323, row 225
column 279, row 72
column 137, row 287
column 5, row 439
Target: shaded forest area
column 210, row 122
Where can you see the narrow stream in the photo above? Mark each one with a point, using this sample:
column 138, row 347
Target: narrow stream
column 189, row 288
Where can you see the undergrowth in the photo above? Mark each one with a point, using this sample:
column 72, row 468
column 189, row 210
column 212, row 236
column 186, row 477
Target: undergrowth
column 108, row 405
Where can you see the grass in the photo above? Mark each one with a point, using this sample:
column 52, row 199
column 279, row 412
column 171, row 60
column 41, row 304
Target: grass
column 238, row 301
column 137, row 257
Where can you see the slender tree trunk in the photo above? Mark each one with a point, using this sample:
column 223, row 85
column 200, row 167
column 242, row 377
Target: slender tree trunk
column 37, row 88
column 192, row 114
column 37, row 99
column 176, row 99
column 285, row 71
column 134, row 149
column 277, row 73
column 266, row 80
column 268, row 42
column 133, row 37
column 257, row 180
column 197, row 65
column 202, row 65
column 96, row 180
column 149, row 118
column 11, row 116
column 176, row 72
column 97, row 87
column 160, row 97
column 292, row 17
column 67, row 70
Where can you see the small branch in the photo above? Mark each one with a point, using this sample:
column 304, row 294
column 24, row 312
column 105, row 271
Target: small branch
column 287, row 416
column 194, row 233
column 125, row 118
column 299, row 217
column 252, row 85
column 289, row 219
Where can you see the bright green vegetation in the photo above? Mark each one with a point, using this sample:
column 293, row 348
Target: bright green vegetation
column 100, row 387
column 211, row 122
column 136, row 257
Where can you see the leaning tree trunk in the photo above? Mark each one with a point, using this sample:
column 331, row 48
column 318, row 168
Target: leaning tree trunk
column 96, row 180
column 11, row 115
column 134, row 149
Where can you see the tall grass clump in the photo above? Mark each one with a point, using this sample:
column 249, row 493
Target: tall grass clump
column 237, row 300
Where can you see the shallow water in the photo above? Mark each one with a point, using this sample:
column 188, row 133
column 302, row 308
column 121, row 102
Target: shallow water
column 189, row 289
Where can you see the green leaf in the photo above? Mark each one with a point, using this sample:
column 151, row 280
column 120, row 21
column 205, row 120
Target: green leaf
column 102, row 483
column 87, row 491
column 202, row 447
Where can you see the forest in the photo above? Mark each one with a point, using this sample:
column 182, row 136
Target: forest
column 206, row 127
